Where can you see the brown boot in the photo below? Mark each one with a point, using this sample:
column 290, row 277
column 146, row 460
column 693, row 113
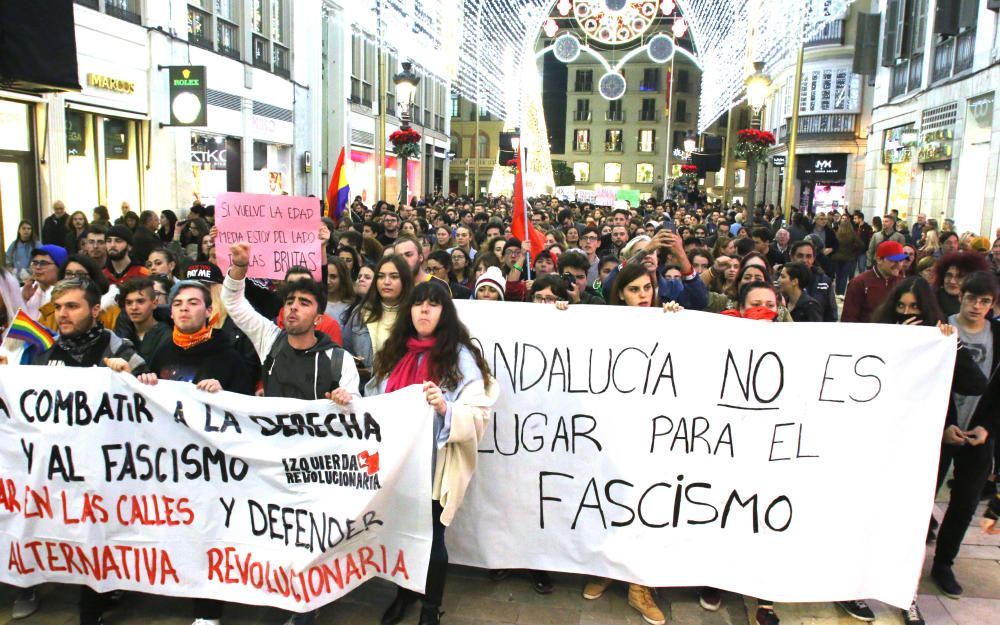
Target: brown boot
column 595, row 588
column 641, row 599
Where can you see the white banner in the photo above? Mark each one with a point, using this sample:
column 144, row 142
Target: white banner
column 794, row 462
column 173, row 491
column 567, row 194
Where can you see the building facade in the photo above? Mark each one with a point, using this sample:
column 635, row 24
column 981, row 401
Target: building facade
column 934, row 146
column 475, row 144
column 834, row 119
column 353, row 79
column 111, row 143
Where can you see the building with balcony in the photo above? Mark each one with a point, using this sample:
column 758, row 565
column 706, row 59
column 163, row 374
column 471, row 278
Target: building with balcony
column 934, row 146
column 475, row 143
column 834, row 115
column 111, row 142
column 352, row 119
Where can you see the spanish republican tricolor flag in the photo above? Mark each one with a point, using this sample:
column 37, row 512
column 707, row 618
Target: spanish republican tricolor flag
column 339, row 192
column 26, row 329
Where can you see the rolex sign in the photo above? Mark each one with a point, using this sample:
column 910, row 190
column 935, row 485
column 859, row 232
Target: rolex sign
column 188, row 96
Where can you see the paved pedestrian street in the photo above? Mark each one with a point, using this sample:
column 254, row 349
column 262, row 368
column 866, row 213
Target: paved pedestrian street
column 472, row 598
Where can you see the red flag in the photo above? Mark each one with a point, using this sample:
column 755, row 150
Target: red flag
column 537, row 239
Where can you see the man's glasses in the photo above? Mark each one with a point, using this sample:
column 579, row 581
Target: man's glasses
column 542, row 299
column 41, row 263
column 77, row 274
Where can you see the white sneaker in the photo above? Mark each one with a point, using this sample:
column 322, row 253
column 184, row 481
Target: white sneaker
column 207, row 621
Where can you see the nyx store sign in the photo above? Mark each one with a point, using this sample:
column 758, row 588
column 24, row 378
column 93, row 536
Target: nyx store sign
column 822, row 167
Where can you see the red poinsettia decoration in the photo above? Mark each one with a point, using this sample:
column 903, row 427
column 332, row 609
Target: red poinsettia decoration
column 689, row 169
column 752, row 144
column 404, row 136
column 512, row 165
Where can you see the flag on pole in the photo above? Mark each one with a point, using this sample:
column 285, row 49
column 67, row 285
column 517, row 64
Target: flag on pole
column 533, row 238
column 339, row 192
column 26, row 329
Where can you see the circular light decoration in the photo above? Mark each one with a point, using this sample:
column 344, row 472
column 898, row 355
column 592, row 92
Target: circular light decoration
column 186, row 107
column 566, row 48
column 612, row 86
column 615, row 21
column 660, row 48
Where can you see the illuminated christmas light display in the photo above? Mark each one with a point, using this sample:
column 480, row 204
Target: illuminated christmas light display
column 482, row 45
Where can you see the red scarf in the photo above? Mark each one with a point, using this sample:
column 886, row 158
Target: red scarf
column 411, row 369
column 758, row 313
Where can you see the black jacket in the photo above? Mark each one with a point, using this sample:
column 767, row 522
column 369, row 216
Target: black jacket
column 302, row 374
column 144, row 241
column 110, row 346
column 55, row 229
column 213, row 359
column 969, row 380
column 806, row 309
column 825, row 295
column 148, row 345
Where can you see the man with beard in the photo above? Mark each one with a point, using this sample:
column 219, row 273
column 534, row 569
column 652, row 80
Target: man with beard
column 97, row 244
column 298, row 361
column 82, row 342
column 120, row 266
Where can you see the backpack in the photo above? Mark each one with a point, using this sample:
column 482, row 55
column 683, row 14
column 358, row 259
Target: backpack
column 335, row 353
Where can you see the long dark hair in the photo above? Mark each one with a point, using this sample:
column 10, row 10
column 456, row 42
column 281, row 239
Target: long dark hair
column 167, row 234
column 450, row 336
column 345, row 292
column 628, row 273
column 930, row 312
column 371, row 307
column 96, row 273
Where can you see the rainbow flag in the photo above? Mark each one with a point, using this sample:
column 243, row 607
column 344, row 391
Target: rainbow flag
column 26, row 329
column 339, row 191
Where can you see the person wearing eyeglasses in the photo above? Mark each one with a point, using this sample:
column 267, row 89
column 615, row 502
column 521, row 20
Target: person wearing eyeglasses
column 971, row 420
column 46, row 261
column 590, row 241
column 949, row 272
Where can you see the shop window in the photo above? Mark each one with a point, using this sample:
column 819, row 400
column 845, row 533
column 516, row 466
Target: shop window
column 81, row 158
column 259, row 155
column 121, row 163
column 275, row 174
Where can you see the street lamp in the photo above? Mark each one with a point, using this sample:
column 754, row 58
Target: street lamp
column 758, row 84
column 690, row 142
column 406, row 83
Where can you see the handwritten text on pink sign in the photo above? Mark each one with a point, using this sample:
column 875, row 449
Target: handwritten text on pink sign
column 283, row 231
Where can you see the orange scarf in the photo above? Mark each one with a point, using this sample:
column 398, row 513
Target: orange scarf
column 187, row 341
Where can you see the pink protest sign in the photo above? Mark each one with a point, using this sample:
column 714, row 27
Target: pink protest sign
column 283, row 231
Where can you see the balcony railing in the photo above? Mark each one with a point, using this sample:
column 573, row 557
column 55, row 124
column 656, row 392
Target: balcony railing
column 647, row 116
column 832, row 33
column 581, row 116
column 282, row 62
column 965, row 49
column 123, row 10
column 944, row 52
column 228, row 38
column 614, row 116
column 200, row 28
column 646, row 148
column 900, row 75
column 828, row 124
column 261, row 52
column 583, row 87
column 681, row 116
column 612, row 146
column 582, row 146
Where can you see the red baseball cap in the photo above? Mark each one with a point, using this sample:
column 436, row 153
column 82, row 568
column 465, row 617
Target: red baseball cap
column 891, row 250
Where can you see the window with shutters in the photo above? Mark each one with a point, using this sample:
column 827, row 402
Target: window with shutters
column 904, row 43
column 955, row 48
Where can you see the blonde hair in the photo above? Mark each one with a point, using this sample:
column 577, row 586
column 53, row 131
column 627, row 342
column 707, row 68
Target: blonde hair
column 932, row 242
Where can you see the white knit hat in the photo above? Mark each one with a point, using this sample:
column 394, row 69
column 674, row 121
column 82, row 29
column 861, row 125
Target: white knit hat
column 492, row 278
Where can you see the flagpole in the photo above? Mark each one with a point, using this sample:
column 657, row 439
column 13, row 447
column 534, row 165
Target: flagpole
column 521, row 152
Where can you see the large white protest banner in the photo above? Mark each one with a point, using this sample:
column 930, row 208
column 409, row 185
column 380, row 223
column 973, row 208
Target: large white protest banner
column 788, row 461
column 170, row 490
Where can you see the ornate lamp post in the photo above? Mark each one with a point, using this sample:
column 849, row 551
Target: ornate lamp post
column 757, row 85
column 406, row 83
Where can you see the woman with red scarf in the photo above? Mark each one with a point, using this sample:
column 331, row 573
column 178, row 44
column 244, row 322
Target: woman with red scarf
column 430, row 346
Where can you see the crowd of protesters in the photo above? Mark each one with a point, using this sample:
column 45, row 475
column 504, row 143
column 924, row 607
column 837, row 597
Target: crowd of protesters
column 144, row 295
